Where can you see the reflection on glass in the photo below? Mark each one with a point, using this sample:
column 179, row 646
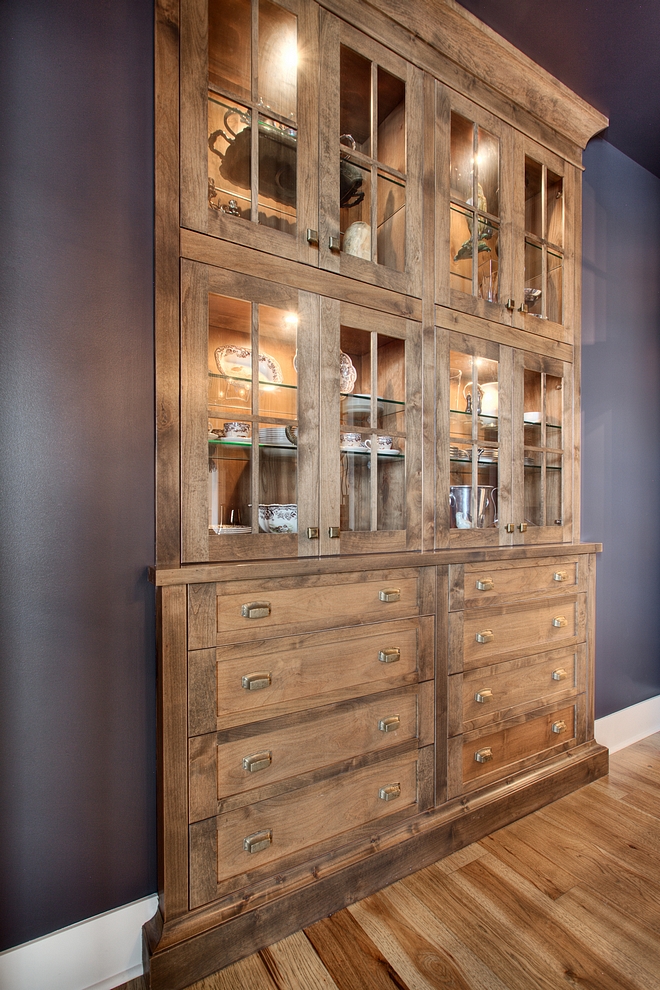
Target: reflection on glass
column 355, row 483
column 230, row 34
column 488, row 172
column 488, row 260
column 462, row 158
column 533, row 197
column 229, row 485
column 474, row 441
column 460, row 240
column 355, row 99
column 277, row 175
column 533, row 487
column 391, row 120
column 555, row 287
column 278, row 376
column 229, row 157
column 533, row 278
column 391, row 468
column 355, row 212
column 553, row 487
column 555, row 210
column 391, row 222
column 278, row 59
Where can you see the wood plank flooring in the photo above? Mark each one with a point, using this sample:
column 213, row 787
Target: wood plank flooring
column 567, row 897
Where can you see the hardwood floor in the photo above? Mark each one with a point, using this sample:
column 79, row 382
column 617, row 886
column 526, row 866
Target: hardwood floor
column 567, row 897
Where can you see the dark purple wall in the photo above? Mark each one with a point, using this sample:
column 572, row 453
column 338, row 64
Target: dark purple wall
column 621, row 419
column 77, row 667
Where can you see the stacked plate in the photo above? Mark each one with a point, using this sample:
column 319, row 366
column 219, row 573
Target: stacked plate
column 274, row 435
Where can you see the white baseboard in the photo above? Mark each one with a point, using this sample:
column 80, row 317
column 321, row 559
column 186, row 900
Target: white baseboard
column 97, row 954
column 106, row 951
column 628, row 726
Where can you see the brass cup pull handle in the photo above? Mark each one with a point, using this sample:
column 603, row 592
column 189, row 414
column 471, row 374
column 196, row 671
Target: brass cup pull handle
column 255, row 610
column 260, row 840
column 483, row 696
column 559, row 674
column 559, row 726
column 485, row 584
column 259, row 761
column 560, row 576
column 486, row 636
column 389, row 656
column 560, row 621
column 483, row 755
column 389, row 595
column 390, row 793
column 256, row 682
column 390, row 724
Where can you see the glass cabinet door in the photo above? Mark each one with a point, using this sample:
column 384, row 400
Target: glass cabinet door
column 370, row 178
column 372, row 458
column 544, row 241
column 476, row 451
column 542, row 452
column 241, row 469
column 241, row 152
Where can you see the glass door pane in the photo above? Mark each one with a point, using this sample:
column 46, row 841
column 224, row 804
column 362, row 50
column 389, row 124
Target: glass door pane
column 474, row 441
column 544, row 238
column 252, row 418
column 543, row 449
column 253, row 68
column 372, row 431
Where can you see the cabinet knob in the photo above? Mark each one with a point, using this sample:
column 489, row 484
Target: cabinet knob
column 260, row 840
column 522, row 527
column 312, row 532
column 390, row 793
column 334, row 243
column 255, row 610
column 486, row 636
column 483, row 696
column 485, row 584
column 259, row 761
column 509, row 527
column 389, row 595
column 390, row 724
column 510, row 305
column 559, row 726
column 256, row 682
column 560, row 621
column 389, row 656
column 559, row 674
column 483, row 755
column 312, row 236
column 333, row 532
column 560, row 576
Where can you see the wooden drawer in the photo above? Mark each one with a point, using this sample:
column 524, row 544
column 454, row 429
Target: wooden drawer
column 238, row 766
column 490, row 694
column 476, row 585
column 249, row 610
column 246, row 682
column 299, row 820
column 509, row 630
column 495, row 751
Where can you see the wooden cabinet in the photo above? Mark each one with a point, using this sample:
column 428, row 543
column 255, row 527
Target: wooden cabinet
column 375, row 617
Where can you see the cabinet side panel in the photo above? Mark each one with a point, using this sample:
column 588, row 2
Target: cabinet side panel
column 194, row 130
column 194, row 412
column 166, row 283
column 172, row 756
column 201, row 616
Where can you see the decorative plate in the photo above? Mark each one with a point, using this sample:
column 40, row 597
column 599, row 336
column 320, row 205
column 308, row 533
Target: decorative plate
column 347, row 373
column 236, row 362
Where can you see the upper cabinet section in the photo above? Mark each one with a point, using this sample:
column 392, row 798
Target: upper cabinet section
column 249, row 123
column 371, row 152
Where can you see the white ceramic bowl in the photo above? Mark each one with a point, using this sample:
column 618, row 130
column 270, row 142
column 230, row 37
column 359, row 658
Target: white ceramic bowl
column 277, row 518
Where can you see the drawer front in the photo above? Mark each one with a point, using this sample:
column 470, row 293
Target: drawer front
column 490, row 694
column 508, row 744
column 254, row 681
column 479, row 635
column 222, row 765
column 251, row 610
column 259, row 834
column 476, row 585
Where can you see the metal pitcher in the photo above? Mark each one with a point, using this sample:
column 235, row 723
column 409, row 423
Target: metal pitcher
column 463, row 515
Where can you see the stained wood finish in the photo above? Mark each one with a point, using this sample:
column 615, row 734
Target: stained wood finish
column 574, row 888
column 514, row 582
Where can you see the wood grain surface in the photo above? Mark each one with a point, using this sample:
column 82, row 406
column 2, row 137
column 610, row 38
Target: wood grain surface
column 567, row 897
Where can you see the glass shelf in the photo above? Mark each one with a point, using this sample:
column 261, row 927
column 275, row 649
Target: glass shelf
column 395, row 454
column 263, row 382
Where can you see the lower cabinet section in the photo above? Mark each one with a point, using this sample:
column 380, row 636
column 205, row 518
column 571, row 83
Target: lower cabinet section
column 333, row 727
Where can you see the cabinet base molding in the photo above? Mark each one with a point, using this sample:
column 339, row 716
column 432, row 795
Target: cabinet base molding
column 184, row 950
